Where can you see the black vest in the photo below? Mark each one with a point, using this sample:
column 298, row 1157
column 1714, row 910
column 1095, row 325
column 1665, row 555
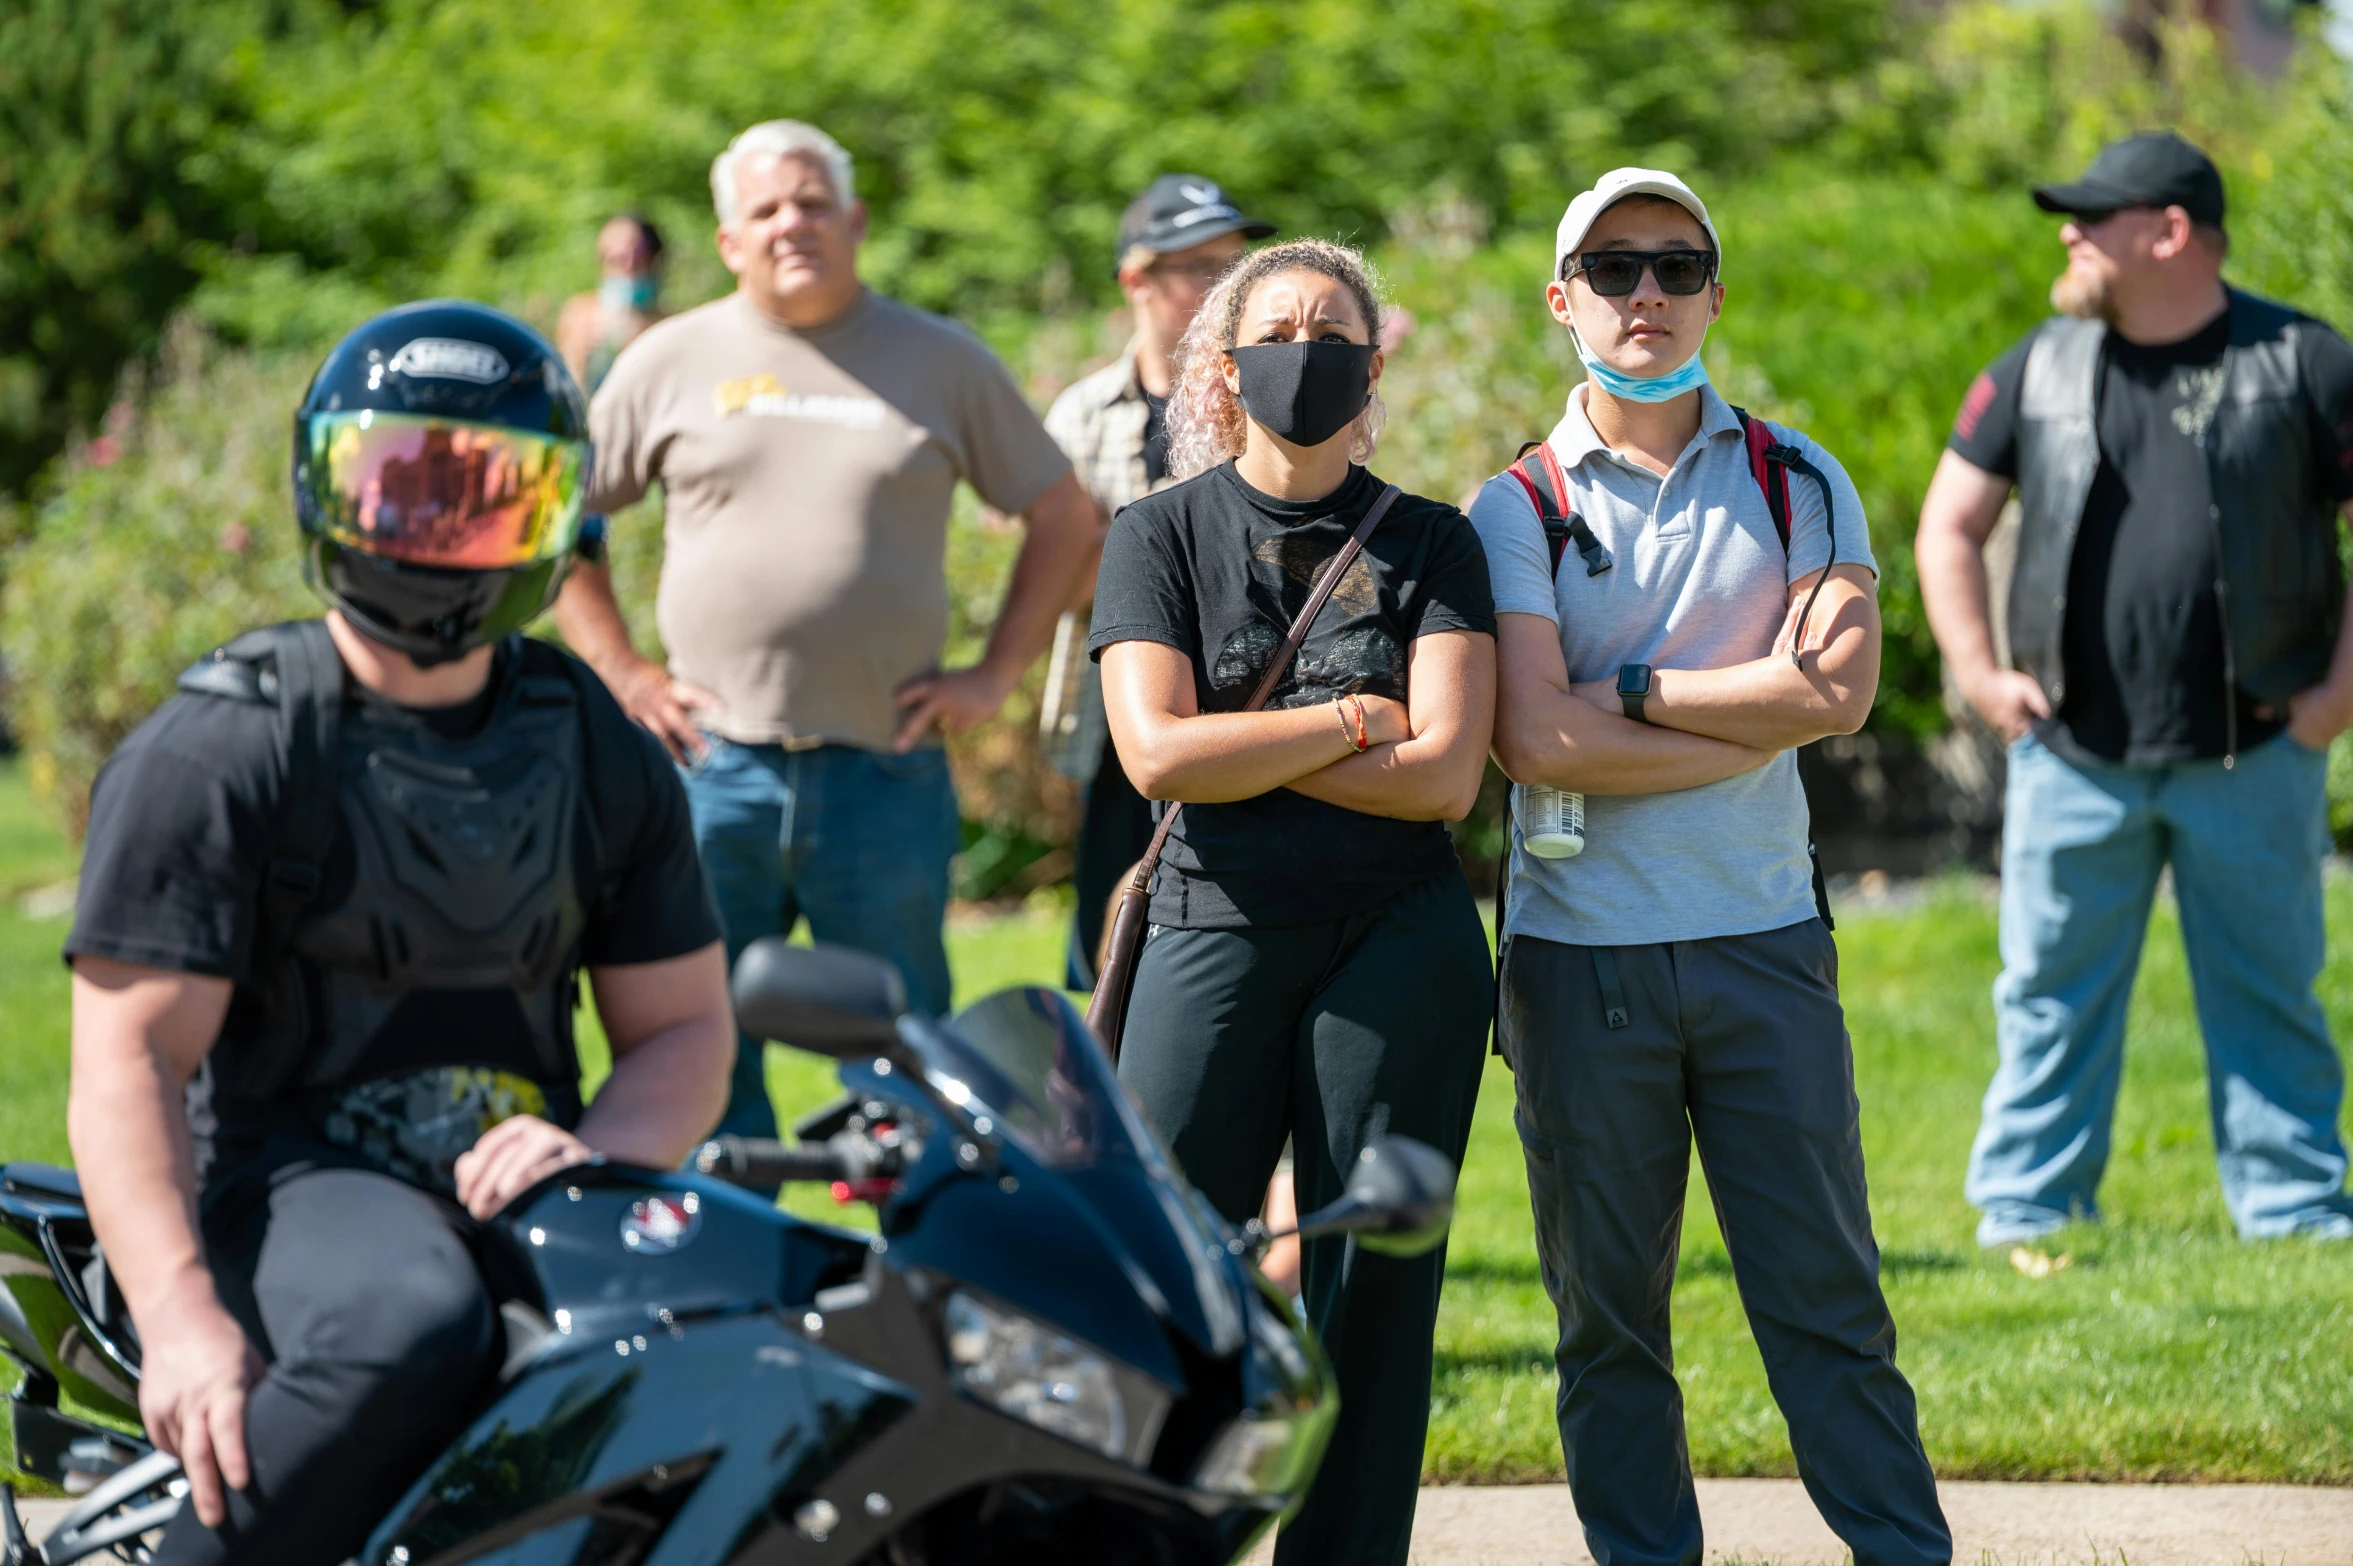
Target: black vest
column 2279, row 583
column 473, row 866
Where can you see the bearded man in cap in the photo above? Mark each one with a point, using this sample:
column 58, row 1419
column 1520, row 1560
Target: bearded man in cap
column 2177, row 667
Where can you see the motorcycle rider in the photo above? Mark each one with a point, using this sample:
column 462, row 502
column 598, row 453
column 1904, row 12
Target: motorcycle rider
column 336, row 899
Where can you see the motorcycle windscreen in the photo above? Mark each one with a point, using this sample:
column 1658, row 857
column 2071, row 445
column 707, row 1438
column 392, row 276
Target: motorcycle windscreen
column 1028, row 1056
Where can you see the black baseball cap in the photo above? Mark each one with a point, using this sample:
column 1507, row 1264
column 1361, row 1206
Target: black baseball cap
column 2157, row 169
column 1179, row 211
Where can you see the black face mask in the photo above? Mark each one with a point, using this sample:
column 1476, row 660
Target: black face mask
column 1304, row 392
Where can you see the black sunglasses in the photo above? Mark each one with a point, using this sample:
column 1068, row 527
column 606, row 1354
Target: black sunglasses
column 1613, row 274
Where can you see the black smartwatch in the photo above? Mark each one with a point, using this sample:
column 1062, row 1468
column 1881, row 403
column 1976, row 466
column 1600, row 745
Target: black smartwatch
column 1633, row 685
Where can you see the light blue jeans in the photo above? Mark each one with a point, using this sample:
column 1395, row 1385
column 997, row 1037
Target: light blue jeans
column 2082, row 847
column 857, row 840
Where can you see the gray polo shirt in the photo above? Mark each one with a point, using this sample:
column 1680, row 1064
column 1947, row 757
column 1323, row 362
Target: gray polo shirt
column 1701, row 582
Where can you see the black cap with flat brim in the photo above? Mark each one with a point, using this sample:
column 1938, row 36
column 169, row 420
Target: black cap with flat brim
column 1179, row 211
column 2158, row 169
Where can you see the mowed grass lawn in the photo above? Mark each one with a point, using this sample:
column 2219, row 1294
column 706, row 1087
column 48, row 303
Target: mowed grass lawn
column 2163, row 1349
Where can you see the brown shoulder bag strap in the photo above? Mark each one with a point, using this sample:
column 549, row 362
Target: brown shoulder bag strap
column 1107, row 1010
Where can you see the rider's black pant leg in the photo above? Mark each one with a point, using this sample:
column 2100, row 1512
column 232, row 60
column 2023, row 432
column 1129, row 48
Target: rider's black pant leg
column 361, row 1293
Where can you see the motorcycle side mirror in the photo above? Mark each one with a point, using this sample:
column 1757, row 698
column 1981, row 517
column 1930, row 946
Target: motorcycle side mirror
column 1399, row 1200
column 828, row 1000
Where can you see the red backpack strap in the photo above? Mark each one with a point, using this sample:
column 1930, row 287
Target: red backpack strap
column 1548, row 490
column 1771, row 476
column 1544, row 489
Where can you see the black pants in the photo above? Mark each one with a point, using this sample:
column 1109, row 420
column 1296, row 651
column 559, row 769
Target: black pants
column 1740, row 1042
column 1330, row 1034
column 1113, row 832
column 380, row 1335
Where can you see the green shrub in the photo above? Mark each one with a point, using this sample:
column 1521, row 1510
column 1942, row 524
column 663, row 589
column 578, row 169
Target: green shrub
column 146, row 555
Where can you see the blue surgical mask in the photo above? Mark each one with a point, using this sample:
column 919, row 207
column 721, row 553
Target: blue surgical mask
column 1688, row 376
column 630, row 291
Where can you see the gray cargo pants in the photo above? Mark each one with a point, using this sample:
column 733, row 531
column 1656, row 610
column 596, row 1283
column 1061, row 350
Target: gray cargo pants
column 1621, row 1056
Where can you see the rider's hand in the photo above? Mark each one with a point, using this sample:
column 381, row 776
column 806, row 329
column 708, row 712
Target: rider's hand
column 511, row 1157
column 951, row 701
column 1386, row 722
column 665, row 707
column 2008, row 700
column 195, row 1368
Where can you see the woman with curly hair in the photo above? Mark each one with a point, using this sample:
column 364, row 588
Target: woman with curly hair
column 1315, row 967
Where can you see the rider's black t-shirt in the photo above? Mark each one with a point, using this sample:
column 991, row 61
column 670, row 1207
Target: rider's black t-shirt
column 1218, row 570
column 2143, row 653
column 185, row 816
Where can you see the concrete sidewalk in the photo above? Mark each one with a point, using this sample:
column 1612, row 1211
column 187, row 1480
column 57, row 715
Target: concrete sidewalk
column 1770, row 1520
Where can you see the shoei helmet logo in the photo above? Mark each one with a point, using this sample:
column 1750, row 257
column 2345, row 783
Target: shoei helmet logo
column 661, row 1223
column 450, row 359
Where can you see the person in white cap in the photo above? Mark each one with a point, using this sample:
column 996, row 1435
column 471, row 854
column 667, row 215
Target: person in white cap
column 1678, row 978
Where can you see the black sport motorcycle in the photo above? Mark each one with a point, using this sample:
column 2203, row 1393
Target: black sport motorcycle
column 1051, row 1350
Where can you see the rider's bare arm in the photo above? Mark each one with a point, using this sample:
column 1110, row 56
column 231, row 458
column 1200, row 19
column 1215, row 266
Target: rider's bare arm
column 673, row 1038
column 1433, row 773
column 1545, row 733
column 138, row 1036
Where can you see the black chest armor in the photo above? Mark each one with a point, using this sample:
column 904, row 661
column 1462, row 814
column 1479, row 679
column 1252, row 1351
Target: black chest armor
column 467, row 868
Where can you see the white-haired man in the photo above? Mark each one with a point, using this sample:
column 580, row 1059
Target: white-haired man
column 1676, row 981
column 808, row 435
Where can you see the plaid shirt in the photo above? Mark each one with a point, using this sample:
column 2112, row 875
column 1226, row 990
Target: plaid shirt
column 1099, row 423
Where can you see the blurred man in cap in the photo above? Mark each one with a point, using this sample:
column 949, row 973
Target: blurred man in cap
column 1174, row 241
column 2177, row 668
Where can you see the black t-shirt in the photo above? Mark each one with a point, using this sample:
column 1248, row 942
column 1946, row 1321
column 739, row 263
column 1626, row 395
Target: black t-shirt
column 186, row 816
column 2142, row 651
column 1218, row 570
column 1155, row 438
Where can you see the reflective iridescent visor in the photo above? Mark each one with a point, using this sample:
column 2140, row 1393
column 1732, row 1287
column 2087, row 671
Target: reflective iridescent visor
column 440, row 492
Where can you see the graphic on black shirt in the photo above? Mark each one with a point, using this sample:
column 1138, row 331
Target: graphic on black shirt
column 1219, row 570
column 2141, row 644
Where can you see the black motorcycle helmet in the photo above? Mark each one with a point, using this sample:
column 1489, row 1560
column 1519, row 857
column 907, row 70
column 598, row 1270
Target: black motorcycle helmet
column 440, row 459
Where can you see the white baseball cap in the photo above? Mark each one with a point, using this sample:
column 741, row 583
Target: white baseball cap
column 1614, row 187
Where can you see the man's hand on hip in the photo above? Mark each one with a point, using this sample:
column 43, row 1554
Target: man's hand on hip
column 511, row 1157
column 2009, row 700
column 950, row 701
column 195, row 1370
column 2317, row 716
column 665, row 707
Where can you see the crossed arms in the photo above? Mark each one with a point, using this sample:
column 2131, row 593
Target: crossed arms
column 1704, row 725
column 1423, row 765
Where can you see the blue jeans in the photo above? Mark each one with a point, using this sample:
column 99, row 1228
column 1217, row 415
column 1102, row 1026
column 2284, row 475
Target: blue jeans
column 2082, row 846
column 857, row 840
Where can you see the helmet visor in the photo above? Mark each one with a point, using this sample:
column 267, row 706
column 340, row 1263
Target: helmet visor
column 441, row 492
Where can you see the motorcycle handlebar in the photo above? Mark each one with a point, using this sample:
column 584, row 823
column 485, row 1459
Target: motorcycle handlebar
column 762, row 1163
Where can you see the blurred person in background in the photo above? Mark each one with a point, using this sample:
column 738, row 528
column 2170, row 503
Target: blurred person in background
column 594, row 328
column 1315, row 968
column 1174, row 241
column 1677, row 981
column 2179, row 663
column 808, row 435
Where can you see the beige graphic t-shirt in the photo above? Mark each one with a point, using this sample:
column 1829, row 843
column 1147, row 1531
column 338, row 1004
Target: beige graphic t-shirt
column 806, row 477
